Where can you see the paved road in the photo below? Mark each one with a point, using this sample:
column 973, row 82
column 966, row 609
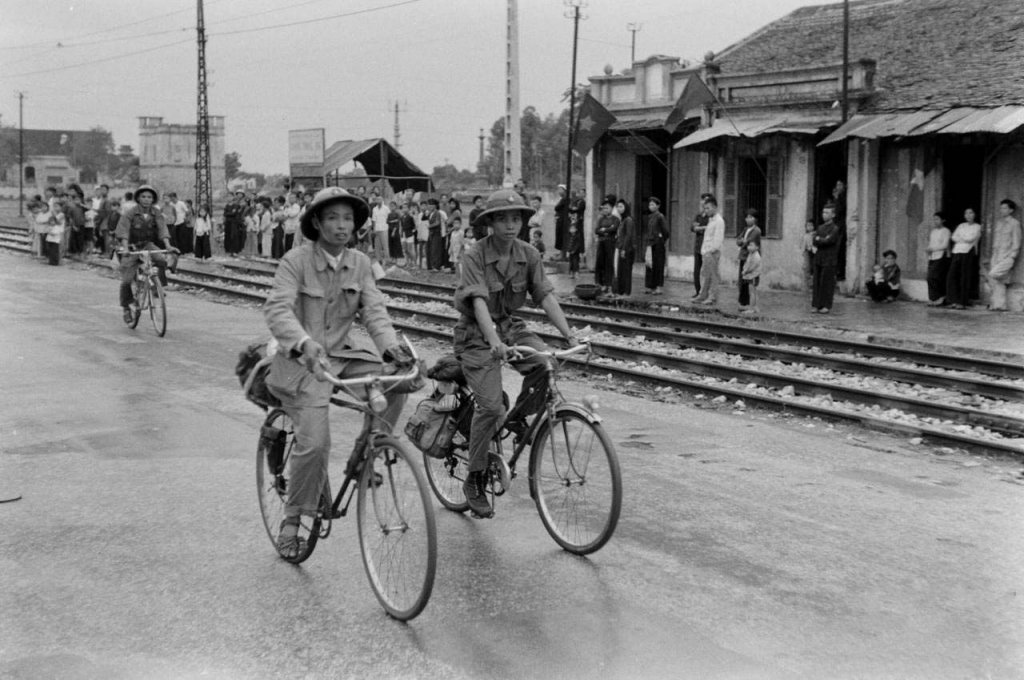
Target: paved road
column 750, row 546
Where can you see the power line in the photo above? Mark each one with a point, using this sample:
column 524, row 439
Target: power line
column 312, row 21
column 97, row 61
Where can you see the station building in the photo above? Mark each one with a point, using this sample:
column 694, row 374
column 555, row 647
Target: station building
column 167, row 156
column 936, row 122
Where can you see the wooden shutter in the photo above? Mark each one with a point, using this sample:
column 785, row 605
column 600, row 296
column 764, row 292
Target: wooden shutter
column 773, row 220
column 731, row 162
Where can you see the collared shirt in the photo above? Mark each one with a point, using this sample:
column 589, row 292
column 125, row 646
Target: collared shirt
column 142, row 225
column 180, row 212
column 938, row 243
column 714, row 234
column 380, row 217
column 310, row 298
column 291, row 220
column 503, row 285
column 657, row 228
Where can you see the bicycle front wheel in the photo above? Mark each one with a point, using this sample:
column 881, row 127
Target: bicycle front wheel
column 397, row 535
column 157, row 307
column 276, row 443
column 575, row 481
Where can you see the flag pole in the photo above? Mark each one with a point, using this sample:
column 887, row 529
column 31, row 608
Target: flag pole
column 574, row 6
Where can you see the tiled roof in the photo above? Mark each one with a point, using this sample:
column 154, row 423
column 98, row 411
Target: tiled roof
column 929, row 53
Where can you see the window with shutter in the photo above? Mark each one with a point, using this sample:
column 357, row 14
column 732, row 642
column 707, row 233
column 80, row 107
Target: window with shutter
column 772, row 224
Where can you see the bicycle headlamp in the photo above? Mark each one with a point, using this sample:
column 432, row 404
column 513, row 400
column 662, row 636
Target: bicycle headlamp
column 591, row 402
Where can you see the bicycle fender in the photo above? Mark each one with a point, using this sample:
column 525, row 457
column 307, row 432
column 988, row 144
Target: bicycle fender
column 576, row 408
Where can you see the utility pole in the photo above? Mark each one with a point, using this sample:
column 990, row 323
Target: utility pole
column 481, row 161
column 633, row 27
column 21, row 154
column 204, row 190
column 846, row 60
column 574, row 14
column 398, row 133
column 513, row 133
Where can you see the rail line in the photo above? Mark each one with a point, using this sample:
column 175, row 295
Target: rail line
column 427, row 323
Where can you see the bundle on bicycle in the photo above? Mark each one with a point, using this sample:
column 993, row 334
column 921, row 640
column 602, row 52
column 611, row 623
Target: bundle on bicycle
column 138, row 232
column 320, row 291
column 498, row 274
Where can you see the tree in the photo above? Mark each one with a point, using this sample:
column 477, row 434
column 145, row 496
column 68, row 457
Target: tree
column 232, row 164
column 447, row 178
column 92, row 152
column 544, row 146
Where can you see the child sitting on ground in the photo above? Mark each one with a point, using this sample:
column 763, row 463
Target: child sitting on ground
column 885, row 283
column 752, row 276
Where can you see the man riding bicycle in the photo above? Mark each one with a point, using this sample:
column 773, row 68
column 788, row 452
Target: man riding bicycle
column 497, row 274
column 141, row 227
column 320, row 289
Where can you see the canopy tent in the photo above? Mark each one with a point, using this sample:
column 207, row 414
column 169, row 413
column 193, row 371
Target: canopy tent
column 379, row 159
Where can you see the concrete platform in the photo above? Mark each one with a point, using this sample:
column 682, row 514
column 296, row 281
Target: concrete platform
column 905, row 323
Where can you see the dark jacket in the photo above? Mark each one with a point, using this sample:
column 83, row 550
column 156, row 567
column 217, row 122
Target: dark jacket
column 826, row 239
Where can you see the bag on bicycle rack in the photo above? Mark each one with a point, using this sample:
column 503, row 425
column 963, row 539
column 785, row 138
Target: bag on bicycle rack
column 252, row 369
column 432, row 426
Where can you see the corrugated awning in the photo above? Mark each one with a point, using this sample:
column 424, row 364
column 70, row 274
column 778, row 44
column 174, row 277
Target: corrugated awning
column 959, row 121
column 637, row 125
column 753, row 128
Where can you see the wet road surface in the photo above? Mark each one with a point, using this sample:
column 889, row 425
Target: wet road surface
column 750, row 546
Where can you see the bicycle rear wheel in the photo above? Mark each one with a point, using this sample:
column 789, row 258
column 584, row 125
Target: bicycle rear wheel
column 141, row 299
column 397, row 535
column 446, row 476
column 157, row 307
column 277, row 439
column 575, row 481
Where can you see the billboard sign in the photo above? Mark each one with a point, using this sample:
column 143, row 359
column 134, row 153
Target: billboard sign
column 306, row 147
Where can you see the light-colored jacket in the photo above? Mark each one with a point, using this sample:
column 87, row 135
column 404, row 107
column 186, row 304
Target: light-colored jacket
column 309, row 298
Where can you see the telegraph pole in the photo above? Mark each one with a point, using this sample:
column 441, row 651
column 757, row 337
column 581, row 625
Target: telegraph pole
column 398, row 133
column 513, row 133
column 633, row 27
column 204, row 190
column 846, row 60
column 21, row 155
column 574, row 14
column 481, row 161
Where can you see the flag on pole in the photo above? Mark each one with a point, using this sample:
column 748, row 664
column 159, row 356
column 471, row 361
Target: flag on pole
column 695, row 94
column 591, row 122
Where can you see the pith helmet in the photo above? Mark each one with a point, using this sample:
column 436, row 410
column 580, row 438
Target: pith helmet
column 504, row 200
column 325, row 197
column 151, row 190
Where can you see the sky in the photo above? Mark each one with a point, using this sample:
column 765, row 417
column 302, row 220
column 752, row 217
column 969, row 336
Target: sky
column 276, row 65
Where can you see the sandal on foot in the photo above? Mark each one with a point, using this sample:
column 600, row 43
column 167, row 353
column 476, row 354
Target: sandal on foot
column 289, row 545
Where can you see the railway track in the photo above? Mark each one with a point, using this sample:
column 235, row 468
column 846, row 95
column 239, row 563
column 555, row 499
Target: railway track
column 731, row 382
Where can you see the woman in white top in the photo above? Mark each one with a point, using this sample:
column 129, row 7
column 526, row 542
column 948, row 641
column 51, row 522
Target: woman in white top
column 938, row 260
column 965, row 242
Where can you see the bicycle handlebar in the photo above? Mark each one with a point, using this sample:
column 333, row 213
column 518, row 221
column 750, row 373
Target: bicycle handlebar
column 380, row 379
column 527, row 351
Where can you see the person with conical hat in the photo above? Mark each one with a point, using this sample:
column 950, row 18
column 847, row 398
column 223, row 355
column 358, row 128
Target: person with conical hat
column 320, row 289
column 498, row 273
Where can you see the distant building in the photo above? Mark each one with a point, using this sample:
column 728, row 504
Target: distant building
column 167, row 155
column 48, row 158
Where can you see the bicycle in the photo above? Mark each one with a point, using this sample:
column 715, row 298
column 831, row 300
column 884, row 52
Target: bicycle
column 397, row 533
column 148, row 292
column 574, row 476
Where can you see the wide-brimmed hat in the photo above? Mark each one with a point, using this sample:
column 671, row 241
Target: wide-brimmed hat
column 146, row 187
column 504, row 200
column 325, row 197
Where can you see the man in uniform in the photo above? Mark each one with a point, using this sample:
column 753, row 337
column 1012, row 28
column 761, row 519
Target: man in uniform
column 497, row 274
column 141, row 227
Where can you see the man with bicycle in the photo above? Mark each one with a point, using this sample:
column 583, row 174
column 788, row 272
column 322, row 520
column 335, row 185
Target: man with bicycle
column 141, row 227
column 497, row 274
column 320, row 289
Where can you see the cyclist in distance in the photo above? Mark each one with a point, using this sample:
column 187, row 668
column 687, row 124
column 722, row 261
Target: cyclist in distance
column 141, row 227
column 498, row 273
column 321, row 289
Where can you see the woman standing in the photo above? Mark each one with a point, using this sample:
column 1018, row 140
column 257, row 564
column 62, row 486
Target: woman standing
column 454, row 210
column 655, row 236
column 625, row 246
column 965, row 242
column 751, row 234
column 938, row 260
column 435, row 240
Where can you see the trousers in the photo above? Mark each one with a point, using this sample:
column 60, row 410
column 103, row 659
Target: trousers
column 483, row 375
column 709, row 277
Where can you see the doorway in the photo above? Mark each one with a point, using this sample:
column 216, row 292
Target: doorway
column 962, row 174
column 651, row 180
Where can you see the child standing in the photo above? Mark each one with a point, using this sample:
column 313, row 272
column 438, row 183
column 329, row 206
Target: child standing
column 456, row 244
column 537, row 241
column 575, row 248
column 202, row 234
column 807, row 250
column 752, row 276
column 51, row 222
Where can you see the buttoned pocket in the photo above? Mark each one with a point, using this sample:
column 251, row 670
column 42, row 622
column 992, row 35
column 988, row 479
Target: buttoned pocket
column 517, row 294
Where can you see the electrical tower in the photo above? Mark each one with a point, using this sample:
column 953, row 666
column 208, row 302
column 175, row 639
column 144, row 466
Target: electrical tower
column 204, row 192
column 513, row 134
